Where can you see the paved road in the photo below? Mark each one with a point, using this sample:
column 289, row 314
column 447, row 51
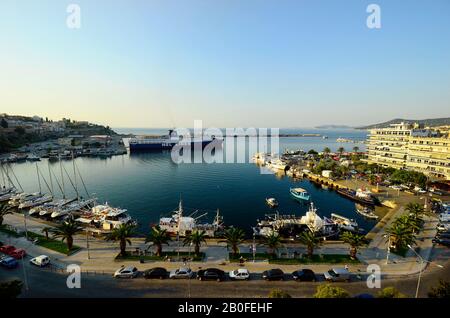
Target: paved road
column 47, row 283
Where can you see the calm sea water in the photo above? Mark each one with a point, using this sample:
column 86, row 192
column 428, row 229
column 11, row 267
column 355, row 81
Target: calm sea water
column 150, row 185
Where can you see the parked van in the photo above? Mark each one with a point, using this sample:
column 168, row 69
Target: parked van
column 40, row 261
column 337, row 275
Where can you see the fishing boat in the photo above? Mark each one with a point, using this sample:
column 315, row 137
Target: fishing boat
column 344, row 223
column 360, row 196
column 300, row 194
column 180, row 225
column 365, row 211
column 272, row 202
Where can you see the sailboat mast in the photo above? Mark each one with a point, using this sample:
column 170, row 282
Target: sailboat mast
column 39, row 178
column 75, row 176
column 62, row 178
column 50, row 175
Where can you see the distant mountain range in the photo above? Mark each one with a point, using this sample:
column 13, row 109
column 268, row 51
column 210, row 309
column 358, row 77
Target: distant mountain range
column 333, row 127
column 426, row 122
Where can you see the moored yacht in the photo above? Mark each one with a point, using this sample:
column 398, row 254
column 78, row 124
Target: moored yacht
column 35, row 202
column 344, row 223
column 72, row 207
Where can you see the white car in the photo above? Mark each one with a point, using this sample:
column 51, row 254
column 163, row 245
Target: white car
column 40, row 261
column 240, row 274
column 181, row 273
column 126, row 272
column 443, row 227
column 395, row 187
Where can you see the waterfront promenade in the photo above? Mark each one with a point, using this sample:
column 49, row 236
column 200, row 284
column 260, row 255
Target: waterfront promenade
column 102, row 253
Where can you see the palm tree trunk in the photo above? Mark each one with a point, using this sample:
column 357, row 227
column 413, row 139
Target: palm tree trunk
column 123, row 246
column 310, row 251
column 158, row 249
column 197, row 249
column 235, row 249
column 69, row 242
column 353, row 252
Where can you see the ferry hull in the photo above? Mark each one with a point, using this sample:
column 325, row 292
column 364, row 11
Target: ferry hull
column 144, row 147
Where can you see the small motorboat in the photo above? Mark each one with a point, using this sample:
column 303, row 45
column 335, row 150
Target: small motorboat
column 344, row 223
column 272, row 202
column 365, row 211
column 300, row 194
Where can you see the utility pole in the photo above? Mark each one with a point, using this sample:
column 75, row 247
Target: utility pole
column 25, row 278
column 87, row 244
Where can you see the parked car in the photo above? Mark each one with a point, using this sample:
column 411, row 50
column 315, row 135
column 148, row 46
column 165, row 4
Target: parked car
column 182, row 273
column 240, row 274
column 304, row 275
column 126, row 272
column 337, row 275
column 157, row 272
column 442, row 241
column 443, row 227
column 7, row 249
column 443, row 235
column 18, row 253
column 273, row 274
column 40, row 261
column 8, row 262
column 211, row 274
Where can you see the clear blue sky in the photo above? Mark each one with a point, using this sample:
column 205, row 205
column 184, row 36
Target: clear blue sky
column 230, row 63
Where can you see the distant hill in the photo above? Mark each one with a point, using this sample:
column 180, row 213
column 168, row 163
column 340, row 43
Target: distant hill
column 426, row 122
column 333, row 127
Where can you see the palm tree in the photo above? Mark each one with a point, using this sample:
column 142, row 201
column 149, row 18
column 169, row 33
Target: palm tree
column 158, row 237
column 354, row 240
column 273, row 242
column 415, row 210
column 122, row 234
column 46, row 230
column 4, row 210
column 326, row 151
column 196, row 238
column 310, row 240
column 66, row 231
column 400, row 234
column 355, row 149
column 234, row 237
column 341, row 150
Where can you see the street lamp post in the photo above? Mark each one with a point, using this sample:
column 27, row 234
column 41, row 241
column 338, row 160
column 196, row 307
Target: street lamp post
column 254, row 248
column 422, row 261
column 388, row 248
column 87, row 244
column 25, row 278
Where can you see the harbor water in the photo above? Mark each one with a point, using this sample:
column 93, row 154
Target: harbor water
column 150, row 185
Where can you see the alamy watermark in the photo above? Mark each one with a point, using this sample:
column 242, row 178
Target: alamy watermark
column 73, row 20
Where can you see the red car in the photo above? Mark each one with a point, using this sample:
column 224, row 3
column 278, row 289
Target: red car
column 12, row 251
column 18, row 253
column 7, row 249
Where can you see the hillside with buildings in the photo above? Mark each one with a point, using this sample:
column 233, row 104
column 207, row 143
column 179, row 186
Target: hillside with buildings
column 434, row 122
column 17, row 131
